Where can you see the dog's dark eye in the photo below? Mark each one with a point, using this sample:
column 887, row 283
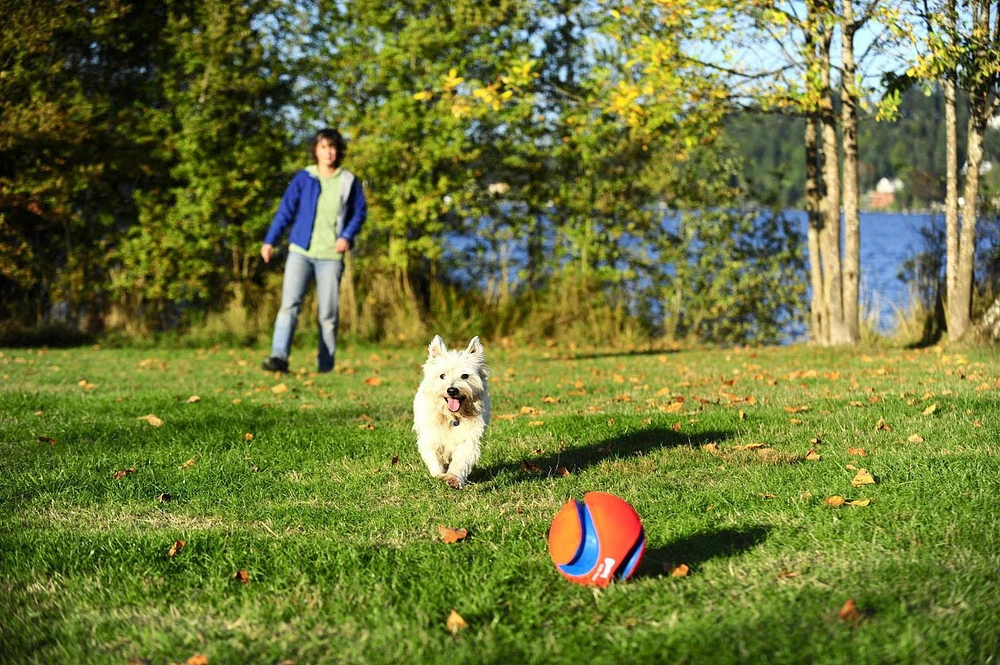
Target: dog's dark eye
column 442, row 376
column 465, row 376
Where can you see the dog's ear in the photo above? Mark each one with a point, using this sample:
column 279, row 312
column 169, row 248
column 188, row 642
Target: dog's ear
column 475, row 347
column 437, row 347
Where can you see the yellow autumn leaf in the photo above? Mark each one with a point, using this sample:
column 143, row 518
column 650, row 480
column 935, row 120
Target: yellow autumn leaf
column 862, row 478
column 859, row 502
column 915, row 438
column 279, row 389
column 450, row 535
column 813, row 456
column 930, row 410
column 152, row 420
column 835, row 500
column 455, row 623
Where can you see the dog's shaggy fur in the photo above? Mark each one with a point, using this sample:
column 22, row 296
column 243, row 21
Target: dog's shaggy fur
column 451, row 410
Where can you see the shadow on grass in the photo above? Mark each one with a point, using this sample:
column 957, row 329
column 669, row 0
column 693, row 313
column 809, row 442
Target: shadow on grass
column 641, row 442
column 614, row 354
column 698, row 548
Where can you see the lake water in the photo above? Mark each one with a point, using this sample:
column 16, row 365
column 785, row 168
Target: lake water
column 887, row 240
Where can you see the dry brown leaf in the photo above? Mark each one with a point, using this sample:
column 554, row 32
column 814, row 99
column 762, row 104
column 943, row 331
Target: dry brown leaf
column 860, row 502
column 749, row 446
column 813, row 456
column 549, row 399
column 505, row 416
column 279, row 389
column 857, row 452
column 562, row 471
column 849, row 613
column 915, row 438
column 455, row 623
column 164, row 498
column 242, row 576
column 175, row 548
column 930, row 410
column 124, row 472
column 367, row 426
column 676, row 426
column 198, row 659
column 536, row 423
column 193, row 399
column 152, row 420
column 673, row 407
column 882, row 426
column 530, row 411
column 712, row 447
column 450, row 535
column 835, row 500
column 797, row 409
column 187, row 465
column 373, row 381
column 680, row 570
column 767, row 496
column 795, row 421
column 47, row 439
column 530, row 467
column 395, row 459
column 862, row 478
column 787, row 574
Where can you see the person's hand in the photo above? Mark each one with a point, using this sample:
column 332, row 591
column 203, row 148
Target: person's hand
column 341, row 245
column 266, row 252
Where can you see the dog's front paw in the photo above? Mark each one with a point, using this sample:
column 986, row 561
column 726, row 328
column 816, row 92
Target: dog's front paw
column 453, row 481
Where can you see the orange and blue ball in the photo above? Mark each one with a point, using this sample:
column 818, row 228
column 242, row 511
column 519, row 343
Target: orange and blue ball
column 596, row 540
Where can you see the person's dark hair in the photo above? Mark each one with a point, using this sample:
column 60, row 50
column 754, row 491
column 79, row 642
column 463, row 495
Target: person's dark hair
column 332, row 136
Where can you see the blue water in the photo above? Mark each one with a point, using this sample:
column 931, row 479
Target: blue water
column 887, row 240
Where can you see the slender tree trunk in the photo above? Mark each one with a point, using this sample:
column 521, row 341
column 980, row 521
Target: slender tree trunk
column 852, row 216
column 951, row 180
column 818, row 314
column 980, row 109
column 829, row 238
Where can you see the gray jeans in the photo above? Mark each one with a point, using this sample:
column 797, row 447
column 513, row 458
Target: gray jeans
column 299, row 269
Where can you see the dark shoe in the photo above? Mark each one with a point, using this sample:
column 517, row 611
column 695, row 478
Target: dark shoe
column 324, row 370
column 275, row 364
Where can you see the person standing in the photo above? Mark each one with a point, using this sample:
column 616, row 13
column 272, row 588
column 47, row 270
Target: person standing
column 325, row 206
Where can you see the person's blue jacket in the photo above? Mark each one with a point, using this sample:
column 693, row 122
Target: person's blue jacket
column 298, row 208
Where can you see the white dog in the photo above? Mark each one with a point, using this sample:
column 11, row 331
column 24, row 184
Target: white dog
column 451, row 410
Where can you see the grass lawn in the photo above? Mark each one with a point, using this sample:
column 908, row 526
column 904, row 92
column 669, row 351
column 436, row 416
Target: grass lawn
column 312, row 485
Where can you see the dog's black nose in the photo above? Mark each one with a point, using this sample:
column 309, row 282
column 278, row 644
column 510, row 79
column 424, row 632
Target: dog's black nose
column 453, row 392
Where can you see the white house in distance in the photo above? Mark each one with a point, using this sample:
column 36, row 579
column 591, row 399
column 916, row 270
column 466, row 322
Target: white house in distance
column 885, row 193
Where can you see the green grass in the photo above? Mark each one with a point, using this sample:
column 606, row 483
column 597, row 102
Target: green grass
column 341, row 545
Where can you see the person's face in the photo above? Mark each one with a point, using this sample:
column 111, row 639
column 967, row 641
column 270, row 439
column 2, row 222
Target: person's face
column 326, row 153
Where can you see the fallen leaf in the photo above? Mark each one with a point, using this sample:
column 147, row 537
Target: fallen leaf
column 187, row 465
column 530, row 411
column 915, row 438
column 279, row 389
column 455, row 623
column 242, row 576
column 681, row 570
column 835, row 500
column 373, row 381
column 857, row 452
column 198, row 659
column 248, row 436
column 676, row 427
column 548, row 399
column 797, row 409
column 712, row 447
column 749, row 446
column 395, row 459
column 47, row 439
column 175, row 548
column 164, row 498
column 673, row 407
column 849, row 613
column 38, row 413
column 795, row 421
column 860, row 502
column 767, row 496
column 787, row 574
column 536, row 423
column 367, row 426
column 813, row 456
column 930, row 410
column 882, row 426
column 192, row 399
column 124, row 472
column 450, row 535
column 562, row 471
column 529, row 467
column 862, row 478
column 152, row 420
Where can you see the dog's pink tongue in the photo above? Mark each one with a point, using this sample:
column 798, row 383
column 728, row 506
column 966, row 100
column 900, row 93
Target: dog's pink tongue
column 453, row 404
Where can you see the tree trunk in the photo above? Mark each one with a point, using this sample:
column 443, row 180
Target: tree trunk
column 829, row 237
column 990, row 324
column 951, row 201
column 852, row 216
column 818, row 314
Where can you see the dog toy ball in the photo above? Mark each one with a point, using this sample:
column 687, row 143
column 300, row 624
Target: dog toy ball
column 596, row 540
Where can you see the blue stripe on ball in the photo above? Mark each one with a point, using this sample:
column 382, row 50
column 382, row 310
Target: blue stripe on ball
column 586, row 555
column 633, row 556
